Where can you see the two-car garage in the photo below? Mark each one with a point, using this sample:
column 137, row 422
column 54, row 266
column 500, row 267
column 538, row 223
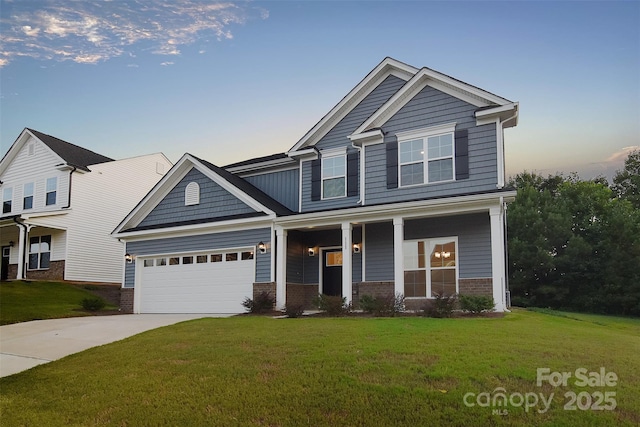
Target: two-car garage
column 215, row 281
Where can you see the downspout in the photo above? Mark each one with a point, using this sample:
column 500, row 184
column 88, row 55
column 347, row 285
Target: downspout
column 361, row 174
column 506, row 260
column 21, row 259
column 501, row 123
column 69, row 190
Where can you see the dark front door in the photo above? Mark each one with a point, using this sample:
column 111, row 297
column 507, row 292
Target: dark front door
column 4, row 274
column 332, row 272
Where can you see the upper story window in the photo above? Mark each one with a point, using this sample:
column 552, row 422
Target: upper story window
column 27, row 196
column 334, row 176
column 7, row 198
column 192, row 194
column 52, row 189
column 426, row 155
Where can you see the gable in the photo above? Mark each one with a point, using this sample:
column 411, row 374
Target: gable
column 215, row 203
column 338, row 135
column 30, row 158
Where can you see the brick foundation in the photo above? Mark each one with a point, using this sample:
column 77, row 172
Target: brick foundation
column 269, row 287
column 54, row 272
column 126, row 300
column 12, row 271
column 478, row 287
column 301, row 294
column 374, row 289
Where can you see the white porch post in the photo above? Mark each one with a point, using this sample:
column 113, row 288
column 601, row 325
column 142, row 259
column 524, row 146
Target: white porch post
column 281, row 268
column 398, row 255
column 497, row 257
column 22, row 241
column 347, row 274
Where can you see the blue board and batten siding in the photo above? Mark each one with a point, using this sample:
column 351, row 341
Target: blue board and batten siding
column 283, row 186
column 204, row 242
column 474, row 244
column 337, row 137
column 215, row 202
column 431, row 107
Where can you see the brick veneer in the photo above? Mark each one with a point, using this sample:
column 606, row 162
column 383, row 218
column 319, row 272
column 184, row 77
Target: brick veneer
column 480, row 287
column 269, row 287
column 126, row 300
column 374, row 289
column 301, row 294
column 54, row 272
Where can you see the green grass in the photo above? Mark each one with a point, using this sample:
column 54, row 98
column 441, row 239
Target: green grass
column 331, row 372
column 21, row 301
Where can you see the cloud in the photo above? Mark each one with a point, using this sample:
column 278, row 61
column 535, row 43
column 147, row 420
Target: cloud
column 91, row 32
column 621, row 155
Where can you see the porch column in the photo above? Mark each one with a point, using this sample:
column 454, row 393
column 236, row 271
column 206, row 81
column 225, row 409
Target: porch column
column 398, row 255
column 22, row 241
column 347, row 274
column 497, row 256
column 281, row 268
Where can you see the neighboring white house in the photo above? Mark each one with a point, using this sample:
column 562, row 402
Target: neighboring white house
column 60, row 203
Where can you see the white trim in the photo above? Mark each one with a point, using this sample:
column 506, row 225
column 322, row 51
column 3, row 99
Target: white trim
column 281, row 268
column 426, row 131
column 496, row 216
column 398, row 255
column 374, row 136
column 300, row 187
column 256, row 172
column 363, row 253
column 500, row 153
column 192, row 194
column 508, row 114
column 387, row 67
column 284, row 164
column 347, row 261
column 431, row 241
column 333, row 154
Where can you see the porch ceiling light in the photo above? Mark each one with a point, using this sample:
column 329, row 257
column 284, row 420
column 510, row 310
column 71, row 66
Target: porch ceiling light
column 262, row 248
column 312, row 251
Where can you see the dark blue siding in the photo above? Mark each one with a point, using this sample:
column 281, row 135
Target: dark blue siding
column 215, row 202
column 282, row 186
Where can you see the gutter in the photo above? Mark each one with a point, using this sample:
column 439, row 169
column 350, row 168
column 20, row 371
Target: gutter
column 69, row 190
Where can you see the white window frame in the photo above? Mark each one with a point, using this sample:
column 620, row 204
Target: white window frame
column 7, row 196
column 192, row 194
column 333, row 154
column 25, row 194
column 47, row 191
column 424, row 134
column 40, row 252
column 429, row 245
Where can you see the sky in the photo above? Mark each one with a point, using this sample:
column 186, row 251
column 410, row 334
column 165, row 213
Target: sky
column 230, row 81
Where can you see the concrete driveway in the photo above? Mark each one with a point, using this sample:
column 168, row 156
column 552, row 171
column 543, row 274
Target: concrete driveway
column 28, row 344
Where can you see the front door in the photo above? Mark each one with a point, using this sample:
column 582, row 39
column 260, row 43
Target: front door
column 4, row 274
column 332, row 272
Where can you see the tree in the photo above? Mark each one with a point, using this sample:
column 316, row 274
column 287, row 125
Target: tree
column 573, row 245
column 626, row 183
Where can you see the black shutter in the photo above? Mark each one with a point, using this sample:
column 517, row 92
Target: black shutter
column 392, row 163
column 352, row 174
column 462, row 154
column 316, row 179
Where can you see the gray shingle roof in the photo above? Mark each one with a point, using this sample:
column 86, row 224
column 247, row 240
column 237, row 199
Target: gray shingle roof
column 71, row 153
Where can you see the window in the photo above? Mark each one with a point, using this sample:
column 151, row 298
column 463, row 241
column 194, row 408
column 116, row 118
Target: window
column 52, row 187
column 39, row 252
column 201, row 259
column 187, row 260
column 231, row 256
column 216, row 258
column 247, row 255
column 148, row 263
column 192, row 194
column 7, row 197
column 174, row 260
column 334, row 176
column 430, row 267
column 27, row 199
column 333, row 259
column 426, row 155
column 161, row 261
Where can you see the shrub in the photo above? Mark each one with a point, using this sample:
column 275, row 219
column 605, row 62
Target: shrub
column 476, row 304
column 332, row 305
column 440, row 306
column 262, row 303
column 293, row 310
column 93, row 304
column 384, row 305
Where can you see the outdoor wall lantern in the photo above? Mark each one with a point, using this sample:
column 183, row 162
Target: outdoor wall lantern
column 312, row 251
column 128, row 258
column 10, row 243
column 262, row 248
column 356, row 248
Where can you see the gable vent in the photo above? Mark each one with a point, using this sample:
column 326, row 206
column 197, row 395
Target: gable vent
column 192, row 194
column 32, row 149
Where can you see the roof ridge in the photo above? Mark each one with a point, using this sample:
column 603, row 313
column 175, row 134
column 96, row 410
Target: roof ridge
column 71, row 153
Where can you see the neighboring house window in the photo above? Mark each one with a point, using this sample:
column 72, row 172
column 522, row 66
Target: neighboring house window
column 192, row 194
column 39, row 252
column 334, row 176
column 7, row 198
column 27, row 199
column 52, row 188
column 430, row 267
column 426, row 155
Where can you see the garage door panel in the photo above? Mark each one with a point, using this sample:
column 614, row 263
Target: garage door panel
column 211, row 287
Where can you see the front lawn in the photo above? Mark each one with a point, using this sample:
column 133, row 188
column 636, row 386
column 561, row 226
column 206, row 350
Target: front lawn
column 21, row 301
column 340, row 372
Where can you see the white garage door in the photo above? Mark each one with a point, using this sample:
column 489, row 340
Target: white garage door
column 205, row 282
